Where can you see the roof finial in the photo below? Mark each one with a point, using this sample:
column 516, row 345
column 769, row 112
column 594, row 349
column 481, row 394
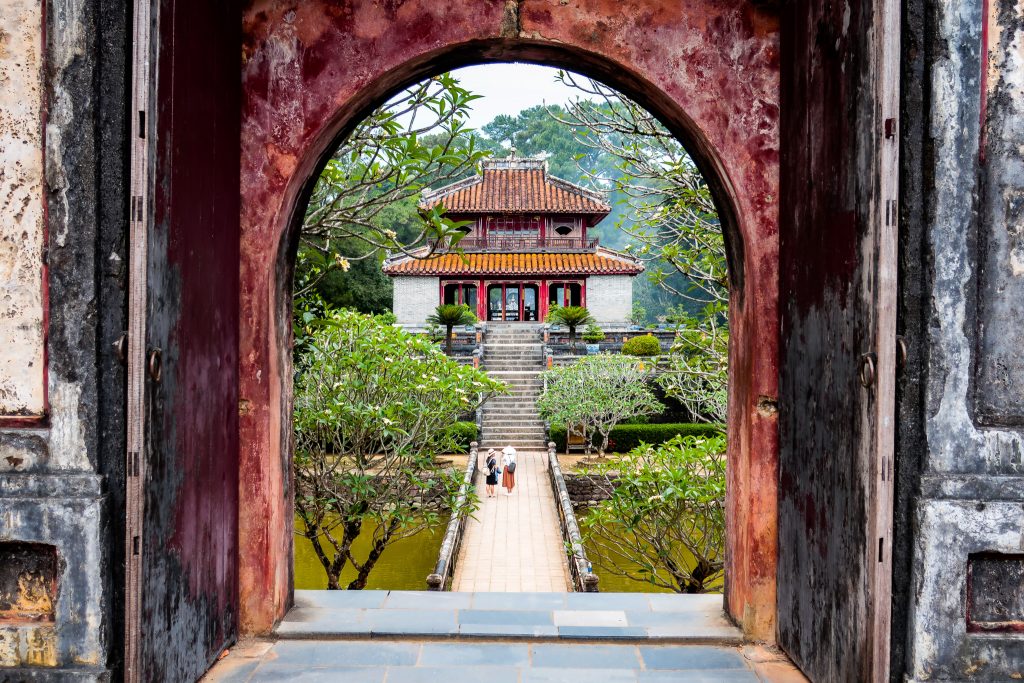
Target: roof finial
column 512, row 152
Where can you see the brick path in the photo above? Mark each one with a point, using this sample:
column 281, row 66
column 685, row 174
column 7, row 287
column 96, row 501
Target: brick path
column 514, row 543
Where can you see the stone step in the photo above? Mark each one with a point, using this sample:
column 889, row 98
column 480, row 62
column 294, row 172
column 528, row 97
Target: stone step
column 518, row 374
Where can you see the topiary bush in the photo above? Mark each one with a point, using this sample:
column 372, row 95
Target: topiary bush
column 645, row 345
column 626, row 437
column 463, row 433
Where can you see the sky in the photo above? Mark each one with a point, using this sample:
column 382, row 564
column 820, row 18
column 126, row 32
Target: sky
column 510, row 88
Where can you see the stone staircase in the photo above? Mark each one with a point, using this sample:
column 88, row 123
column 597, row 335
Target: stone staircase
column 514, row 354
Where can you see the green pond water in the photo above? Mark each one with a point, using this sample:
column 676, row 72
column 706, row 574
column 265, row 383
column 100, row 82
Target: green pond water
column 404, row 565
column 614, row 583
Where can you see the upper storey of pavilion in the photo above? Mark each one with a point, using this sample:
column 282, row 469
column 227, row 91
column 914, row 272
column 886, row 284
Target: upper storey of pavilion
column 515, row 205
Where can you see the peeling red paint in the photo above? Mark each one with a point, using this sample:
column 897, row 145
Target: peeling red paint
column 708, row 69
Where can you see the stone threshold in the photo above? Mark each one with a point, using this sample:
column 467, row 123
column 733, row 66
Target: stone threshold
column 541, row 617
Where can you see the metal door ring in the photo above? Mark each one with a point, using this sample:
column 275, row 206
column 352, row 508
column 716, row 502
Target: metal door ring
column 867, row 369
column 155, row 364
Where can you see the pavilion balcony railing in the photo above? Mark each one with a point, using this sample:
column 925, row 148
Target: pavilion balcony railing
column 521, row 243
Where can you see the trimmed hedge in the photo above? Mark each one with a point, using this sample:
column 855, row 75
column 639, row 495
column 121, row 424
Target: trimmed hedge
column 626, row 437
column 464, row 433
column 644, row 345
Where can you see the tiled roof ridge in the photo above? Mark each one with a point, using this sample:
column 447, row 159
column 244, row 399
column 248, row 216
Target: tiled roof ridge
column 512, row 164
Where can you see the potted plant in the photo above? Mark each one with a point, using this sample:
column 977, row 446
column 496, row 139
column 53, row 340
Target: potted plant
column 593, row 335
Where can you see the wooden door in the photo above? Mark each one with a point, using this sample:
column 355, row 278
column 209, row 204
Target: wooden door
column 837, row 297
column 182, row 527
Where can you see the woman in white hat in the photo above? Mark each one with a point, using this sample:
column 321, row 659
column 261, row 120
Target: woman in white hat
column 508, row 476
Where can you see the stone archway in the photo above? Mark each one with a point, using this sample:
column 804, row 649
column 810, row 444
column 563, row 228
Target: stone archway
column 311, row 70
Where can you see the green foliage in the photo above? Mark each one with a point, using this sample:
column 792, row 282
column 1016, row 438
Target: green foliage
column 374, row 405
column 594, row 394
column 593, row 334
column 449, row 316
column 665, row 520
column 463, row 434
column 696, row 372
column 364, row 202
column 673, row 224
column 625, row 437
column 570, row 316
column 644, row 345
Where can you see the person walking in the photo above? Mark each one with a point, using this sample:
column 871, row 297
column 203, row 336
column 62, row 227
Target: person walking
column 491, row 465
column 508, row 477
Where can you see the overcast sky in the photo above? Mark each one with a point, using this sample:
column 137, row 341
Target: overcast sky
column 510, row 88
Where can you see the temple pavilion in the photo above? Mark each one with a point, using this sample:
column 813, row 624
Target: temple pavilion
column 528, row 247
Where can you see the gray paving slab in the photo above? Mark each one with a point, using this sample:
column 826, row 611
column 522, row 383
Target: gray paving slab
column 233, row 671
column 589, row 618
column 563, row 675
column 519, row 601
column 576, row 656
column 699, row 619
column 318, row 654
column 691, row 676
column 508, row 630
column 411, row 622
column 721, row 635
column 356, row 674
column 673, row 602
column 303, row 622
column 427, row 600
column 689, row 657
column 602, row 632
column 475, row 654
column 521, row 617
column 607, row 601
column 455, row 674
column 340, row 599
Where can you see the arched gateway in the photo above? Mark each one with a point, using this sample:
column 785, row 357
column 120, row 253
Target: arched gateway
column 311, row 71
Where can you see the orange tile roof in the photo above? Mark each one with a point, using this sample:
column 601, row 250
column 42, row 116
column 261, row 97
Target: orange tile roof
column 602, row 262
column 516, row 186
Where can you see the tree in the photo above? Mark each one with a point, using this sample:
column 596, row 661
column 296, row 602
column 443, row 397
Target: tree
column 448, row 316
column 596, row 393
column 674, row 222
column 572, row 317
column 664, row 520
column 416, row 140
column 373, row 407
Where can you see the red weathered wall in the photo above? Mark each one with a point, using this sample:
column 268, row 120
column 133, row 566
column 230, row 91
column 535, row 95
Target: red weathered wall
column 311, row 69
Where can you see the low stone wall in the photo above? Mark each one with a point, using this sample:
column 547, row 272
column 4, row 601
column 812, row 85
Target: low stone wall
column 587, row 489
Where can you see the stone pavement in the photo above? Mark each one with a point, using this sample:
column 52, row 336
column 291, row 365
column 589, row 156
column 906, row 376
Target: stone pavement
column 656, row 617
column 497, row 662
column 396, row 636
column 514, row 543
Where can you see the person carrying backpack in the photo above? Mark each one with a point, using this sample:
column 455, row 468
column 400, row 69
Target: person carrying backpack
column 491, row 466
column 508, row 477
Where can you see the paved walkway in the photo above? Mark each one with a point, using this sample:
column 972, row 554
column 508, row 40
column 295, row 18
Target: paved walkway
column 514, row 543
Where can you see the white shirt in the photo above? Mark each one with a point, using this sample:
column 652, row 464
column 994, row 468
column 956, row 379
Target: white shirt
column 508, row 456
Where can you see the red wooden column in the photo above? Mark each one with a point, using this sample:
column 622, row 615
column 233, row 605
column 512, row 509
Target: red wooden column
column 481, row 299
column 543, row 307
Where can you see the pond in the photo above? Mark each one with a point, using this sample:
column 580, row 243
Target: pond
column 403, row 566
column 614, row 583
